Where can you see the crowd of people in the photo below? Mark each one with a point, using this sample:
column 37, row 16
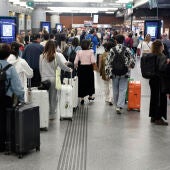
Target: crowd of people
column 36, row 57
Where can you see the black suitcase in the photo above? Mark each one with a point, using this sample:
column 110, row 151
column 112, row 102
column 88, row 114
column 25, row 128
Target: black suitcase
column 2, row 129
column 23, row 129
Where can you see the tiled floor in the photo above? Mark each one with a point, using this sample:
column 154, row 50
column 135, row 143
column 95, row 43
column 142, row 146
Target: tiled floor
column 114, row 142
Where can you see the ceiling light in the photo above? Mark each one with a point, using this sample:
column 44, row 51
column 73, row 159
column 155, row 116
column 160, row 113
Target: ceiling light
column 97, row 1
column 109, row 12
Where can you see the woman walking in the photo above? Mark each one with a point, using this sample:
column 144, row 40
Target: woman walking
column 84, row 61
column 49, row 61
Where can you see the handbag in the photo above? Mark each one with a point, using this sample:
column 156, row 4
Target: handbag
column 45, row 85
column 58, row 79
column 95, row 68
column 138, row 52
column 139, row 48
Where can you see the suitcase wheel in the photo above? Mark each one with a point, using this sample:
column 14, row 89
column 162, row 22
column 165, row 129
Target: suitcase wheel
column 20, row 156
column 7, row 153
column 44, row 129
column 37, row 148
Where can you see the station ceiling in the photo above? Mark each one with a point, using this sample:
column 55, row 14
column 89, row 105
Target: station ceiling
column 90, row 6
column 76, row 6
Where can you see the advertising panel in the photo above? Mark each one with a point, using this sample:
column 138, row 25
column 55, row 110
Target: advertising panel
column 7, row 29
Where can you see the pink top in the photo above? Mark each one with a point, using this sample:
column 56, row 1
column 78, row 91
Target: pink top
column 86, row 57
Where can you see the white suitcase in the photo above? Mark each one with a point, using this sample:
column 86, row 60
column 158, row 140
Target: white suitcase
column 75, row 92
column 74, row 84
column 66, row 102
column 41, row 98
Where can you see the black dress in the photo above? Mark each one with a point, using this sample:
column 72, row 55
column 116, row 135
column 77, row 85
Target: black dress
column 85, row 80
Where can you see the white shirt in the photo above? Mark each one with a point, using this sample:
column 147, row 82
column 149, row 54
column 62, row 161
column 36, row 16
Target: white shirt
column 145, row 47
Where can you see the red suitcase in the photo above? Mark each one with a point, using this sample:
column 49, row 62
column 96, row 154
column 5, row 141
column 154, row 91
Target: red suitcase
column 134, row 95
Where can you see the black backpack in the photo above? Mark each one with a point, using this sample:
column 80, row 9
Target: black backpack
column 148, row 65
column 72, row 55
column 65, row 53
column 118, row 65
column 3, row 79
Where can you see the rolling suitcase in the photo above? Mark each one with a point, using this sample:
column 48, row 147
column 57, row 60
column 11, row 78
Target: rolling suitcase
column 75, row 92
column 134, row 95
column 74, row 83
column 66, row 102
column 41, row 98
column 2, row 130
column 23, row 132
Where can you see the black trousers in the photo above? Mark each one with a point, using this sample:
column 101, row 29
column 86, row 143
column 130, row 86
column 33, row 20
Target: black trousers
column 36, row 80
column 158, row 100
column 4, row 103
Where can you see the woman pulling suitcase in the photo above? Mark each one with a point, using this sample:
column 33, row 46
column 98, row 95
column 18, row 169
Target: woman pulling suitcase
column 49, row 61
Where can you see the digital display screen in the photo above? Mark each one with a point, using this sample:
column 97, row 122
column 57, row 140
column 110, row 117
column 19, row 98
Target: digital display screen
column 59, row 27
column 153, row 27
column 95, row 18
column 46, row 25
column 7, row 29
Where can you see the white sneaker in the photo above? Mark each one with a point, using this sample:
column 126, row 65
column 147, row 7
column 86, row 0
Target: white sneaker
column 118, row 110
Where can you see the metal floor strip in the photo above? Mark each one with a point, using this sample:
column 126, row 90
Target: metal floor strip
column 74, row 150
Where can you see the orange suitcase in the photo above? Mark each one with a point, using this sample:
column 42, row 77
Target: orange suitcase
column 134, row 95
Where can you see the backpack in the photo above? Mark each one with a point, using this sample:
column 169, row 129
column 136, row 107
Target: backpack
column 90, row 38
column 118, row 65
column 148, row 65
column 3, row 79
column 72, row 55
column 127, row 44
column 65, row 53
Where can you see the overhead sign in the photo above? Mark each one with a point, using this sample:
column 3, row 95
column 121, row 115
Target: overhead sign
column 129, row 5
column 30, row 3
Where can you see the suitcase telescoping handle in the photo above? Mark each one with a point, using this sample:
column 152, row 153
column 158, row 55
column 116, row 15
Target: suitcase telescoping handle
column 29, row 91
column 70, row 80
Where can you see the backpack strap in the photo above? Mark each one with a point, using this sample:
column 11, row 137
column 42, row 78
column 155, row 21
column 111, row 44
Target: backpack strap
column 7, row 67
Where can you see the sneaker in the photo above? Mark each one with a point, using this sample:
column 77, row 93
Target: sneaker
column 52, row 116
column 110, row 103
column 118, row 110
column 161, row 122
column 152, row 120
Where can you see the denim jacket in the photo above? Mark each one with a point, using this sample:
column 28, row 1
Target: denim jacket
column 14, row 82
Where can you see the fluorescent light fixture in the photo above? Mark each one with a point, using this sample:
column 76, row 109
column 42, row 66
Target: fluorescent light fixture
column 98, row 1
column 109, row 12
column 78, row 10
column 123, row 1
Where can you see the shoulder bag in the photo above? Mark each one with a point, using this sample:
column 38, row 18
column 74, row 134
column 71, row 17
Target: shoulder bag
column 58, row 80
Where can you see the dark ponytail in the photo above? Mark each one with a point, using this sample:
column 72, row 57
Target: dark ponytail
column 15, row 49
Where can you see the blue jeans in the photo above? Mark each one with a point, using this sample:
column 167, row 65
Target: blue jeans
column 119, row 90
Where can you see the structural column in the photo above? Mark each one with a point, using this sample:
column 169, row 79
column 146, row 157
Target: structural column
column 4, row 7
column 54, row 19
column 38, row 15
